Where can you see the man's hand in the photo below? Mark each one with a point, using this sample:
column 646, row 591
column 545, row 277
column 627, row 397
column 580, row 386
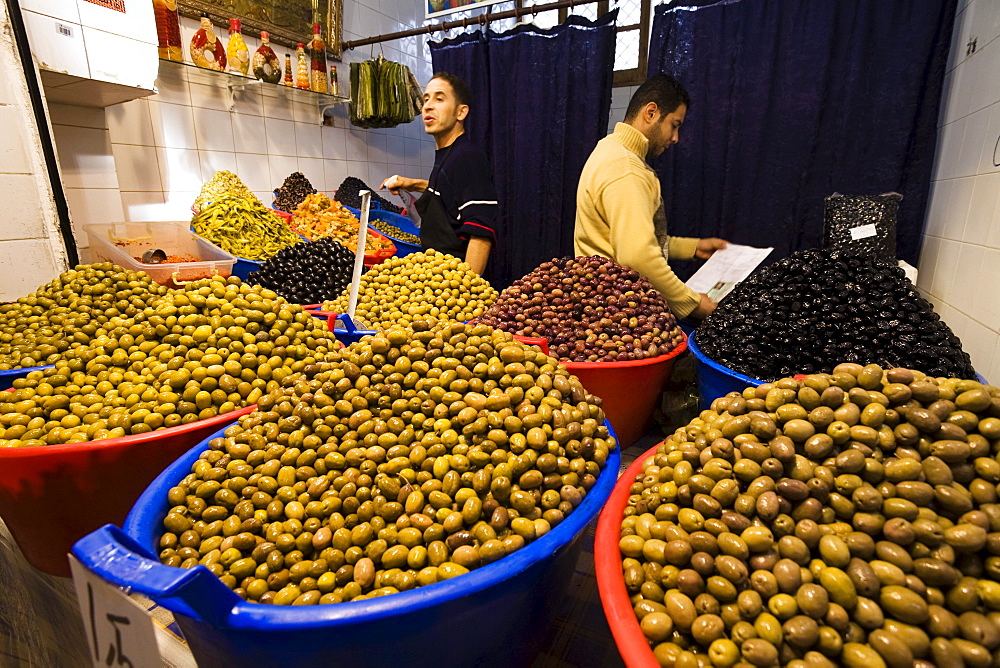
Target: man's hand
column 702, row 310
column 395, row 183
column 707, row 246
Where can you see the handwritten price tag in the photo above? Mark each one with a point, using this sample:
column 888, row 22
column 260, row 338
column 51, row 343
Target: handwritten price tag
column 119, row 631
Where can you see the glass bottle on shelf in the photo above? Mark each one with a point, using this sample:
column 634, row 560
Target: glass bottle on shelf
column 168, row 30
column 236, row 50
column 302, row 67
column 317, row 62
column 265, row 63
column 289, row 81
column 334, row 83
column 206, row 49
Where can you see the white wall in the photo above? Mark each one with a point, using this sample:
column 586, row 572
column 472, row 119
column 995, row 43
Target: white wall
column 960, row 261
column 31, row 250
column 147, row 159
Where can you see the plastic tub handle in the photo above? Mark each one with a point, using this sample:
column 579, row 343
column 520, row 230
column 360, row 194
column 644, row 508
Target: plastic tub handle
column 538, row 341
column 173, row 277
column 111, row 554
column 348, row 323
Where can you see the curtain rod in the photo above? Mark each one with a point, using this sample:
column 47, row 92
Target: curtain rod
column 483, row 19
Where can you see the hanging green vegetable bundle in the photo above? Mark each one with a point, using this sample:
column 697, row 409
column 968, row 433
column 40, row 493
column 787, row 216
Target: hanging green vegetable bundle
column 384, row 94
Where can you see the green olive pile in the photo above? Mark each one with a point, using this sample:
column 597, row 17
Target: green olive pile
column 848, row 519
column 217, row 346
column 66, row 312
column 414, row 457
column 403, row 289
column 391, row 230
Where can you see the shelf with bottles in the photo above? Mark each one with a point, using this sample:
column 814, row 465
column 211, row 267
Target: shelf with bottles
column 234, row 81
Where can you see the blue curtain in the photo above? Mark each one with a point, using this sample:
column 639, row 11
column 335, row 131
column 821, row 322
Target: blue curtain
column 793, row 100
column 541, row 103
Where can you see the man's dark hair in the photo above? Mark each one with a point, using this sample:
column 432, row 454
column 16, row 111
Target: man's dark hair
column 666, row 91
column 463, row 94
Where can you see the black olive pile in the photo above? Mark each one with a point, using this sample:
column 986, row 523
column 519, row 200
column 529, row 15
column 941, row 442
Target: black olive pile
column 848, row 519
column 68, row 311
column 590, row 310
column 291, row 193
column 347, row 194
column 307, row 273
column 817, row 308
column 192, row 354
column 413, row 457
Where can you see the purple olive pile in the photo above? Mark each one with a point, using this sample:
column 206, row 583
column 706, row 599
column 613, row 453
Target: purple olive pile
column 307, row 273
column 412, row 457
column 590, row 310
column 817, row 308
column 295, row 188
column 848, row 519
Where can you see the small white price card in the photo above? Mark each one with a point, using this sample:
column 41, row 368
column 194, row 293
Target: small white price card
column 863, row 231
column 119, row 631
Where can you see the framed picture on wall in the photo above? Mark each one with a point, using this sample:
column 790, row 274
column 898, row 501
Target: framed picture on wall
column 444, row 7
column 288, row 21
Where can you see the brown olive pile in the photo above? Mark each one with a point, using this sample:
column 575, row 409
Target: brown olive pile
column 429, row 284
column 414, row 457
column 66, row 312
column 590, row 310
column 214, row 347
column 847, row 519
column 295, row 188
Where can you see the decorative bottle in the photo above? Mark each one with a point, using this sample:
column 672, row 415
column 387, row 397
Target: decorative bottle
column 207, row 49
column 334, row 83
column 236, row 50
column 168, row 30
column 289, row 81
column 302, row 67
column 265, row 63
column 317, row 62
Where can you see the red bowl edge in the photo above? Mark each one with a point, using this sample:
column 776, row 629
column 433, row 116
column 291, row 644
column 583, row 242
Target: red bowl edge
column 631, row 642
column 123, row 441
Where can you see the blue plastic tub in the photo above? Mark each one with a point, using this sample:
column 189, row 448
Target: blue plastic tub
column 402, row 222
column 494, row 615
column 7, row 378
column 342, row 326
column 715, row 380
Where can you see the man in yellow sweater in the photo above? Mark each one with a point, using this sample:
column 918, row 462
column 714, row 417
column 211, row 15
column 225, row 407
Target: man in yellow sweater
column 619, row 210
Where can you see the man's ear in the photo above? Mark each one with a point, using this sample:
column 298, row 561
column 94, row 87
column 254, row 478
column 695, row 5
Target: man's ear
column 463, row 111
column 651, row 112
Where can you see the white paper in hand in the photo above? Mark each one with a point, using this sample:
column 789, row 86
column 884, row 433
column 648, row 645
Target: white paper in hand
column 410, row 204
column 726, row 268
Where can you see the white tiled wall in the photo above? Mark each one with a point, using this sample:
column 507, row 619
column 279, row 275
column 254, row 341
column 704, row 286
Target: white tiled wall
column 31, row 251
column 960, row 261
column 164, row 147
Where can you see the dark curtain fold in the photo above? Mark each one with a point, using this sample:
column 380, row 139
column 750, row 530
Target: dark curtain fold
column 541, row 103
column 793, row 100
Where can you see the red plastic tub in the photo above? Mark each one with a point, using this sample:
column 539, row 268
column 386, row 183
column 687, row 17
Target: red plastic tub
column 630, row 390
column 51, row 496
column 631, row 642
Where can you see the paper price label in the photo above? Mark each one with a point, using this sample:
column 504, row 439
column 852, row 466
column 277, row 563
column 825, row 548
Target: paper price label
column 119, row 631
column 863, row 232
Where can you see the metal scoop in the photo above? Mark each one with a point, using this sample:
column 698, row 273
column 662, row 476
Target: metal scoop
column 154, row 256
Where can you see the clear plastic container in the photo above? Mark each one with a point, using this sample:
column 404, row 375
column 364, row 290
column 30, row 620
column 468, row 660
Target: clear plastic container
column 125, row 243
